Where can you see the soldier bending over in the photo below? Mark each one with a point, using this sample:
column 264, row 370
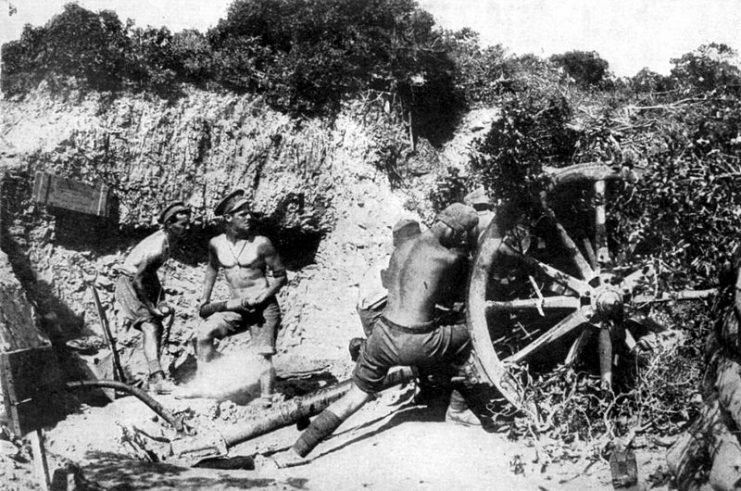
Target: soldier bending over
column 139, row 292
column 426, row 271
column 255, row 273
column 372, row 293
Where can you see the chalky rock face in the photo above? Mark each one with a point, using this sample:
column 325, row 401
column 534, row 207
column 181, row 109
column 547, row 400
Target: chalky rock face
column 18, row 323
column 196, row 148
column 319, row 197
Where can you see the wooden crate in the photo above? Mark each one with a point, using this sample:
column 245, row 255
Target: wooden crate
column 70, row 194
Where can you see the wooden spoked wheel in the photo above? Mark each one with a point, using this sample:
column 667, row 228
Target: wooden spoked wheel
column 537, row 295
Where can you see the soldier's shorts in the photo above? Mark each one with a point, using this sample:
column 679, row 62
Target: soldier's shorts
column 262, row 322
column 392, row 345
column 131, row 306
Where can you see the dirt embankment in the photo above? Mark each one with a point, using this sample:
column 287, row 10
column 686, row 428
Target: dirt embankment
column 323, row 202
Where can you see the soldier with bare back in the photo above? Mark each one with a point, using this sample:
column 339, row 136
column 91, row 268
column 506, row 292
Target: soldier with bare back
column 425, row 273
column 254, row 273
column 139, row 293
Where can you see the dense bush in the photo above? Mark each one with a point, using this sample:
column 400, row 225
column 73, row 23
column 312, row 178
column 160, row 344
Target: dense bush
column 532, row 132
column 93, row 48
column 308, row 55
column 710, row 67
column 304, row 55
column 450, row 187
column 482, row 74
column 684, row 209
column 686, row 206
column 649, row 81
column 587, row 68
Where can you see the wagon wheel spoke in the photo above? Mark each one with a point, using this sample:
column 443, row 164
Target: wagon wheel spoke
column 600, row 219
column 604, row 347
column 585, row 269
column 546, row 303
column 567, row 280
column 674, row 296
column 567, row 325
column 578, row 346
column 591, row 256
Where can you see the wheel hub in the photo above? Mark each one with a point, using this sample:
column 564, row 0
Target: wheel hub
column 608, row 301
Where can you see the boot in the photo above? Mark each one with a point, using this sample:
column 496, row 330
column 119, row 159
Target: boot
column 158, row 384
column 458, row 411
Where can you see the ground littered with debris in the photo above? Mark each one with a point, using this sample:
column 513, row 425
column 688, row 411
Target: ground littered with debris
column 391, row 443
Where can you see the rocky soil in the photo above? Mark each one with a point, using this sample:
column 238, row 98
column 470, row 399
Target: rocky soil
column 329, row 210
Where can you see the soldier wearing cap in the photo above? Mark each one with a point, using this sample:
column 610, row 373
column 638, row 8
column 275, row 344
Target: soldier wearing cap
column 479, row 200
column 425, row 272
column 139, row 292
column 254, row 272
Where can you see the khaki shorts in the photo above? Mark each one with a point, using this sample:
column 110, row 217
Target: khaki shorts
column 263, row 324
column 133, row 310
column 439, row 347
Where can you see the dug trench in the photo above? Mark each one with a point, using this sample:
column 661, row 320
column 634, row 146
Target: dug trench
column 109, row 443
column 329, row 221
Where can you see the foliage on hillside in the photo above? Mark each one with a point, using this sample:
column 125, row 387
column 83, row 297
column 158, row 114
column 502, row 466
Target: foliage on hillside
column 587, row 68
column 305, row 56
column 683, row 135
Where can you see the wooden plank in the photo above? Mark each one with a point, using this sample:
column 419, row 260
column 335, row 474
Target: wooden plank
column 41, row 187
column 40, row 465
column 29, row 379
column 71, row 194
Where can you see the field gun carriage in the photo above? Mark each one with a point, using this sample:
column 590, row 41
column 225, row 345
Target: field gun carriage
column 542, row 292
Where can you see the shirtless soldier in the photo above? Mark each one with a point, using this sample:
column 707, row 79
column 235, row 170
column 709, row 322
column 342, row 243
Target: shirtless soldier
column 426, row 271
column 139, row 292
column 255, row 273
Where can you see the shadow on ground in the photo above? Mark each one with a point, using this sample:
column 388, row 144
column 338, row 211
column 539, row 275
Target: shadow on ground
column 118, row 472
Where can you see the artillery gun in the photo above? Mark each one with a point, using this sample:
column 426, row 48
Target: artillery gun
column 533, row 287
column 536, row 293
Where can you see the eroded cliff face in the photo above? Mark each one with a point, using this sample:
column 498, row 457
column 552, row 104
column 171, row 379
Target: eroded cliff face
column 322, row 201
column 195, row 149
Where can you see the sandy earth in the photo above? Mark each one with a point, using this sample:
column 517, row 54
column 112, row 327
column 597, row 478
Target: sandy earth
column 390, row 444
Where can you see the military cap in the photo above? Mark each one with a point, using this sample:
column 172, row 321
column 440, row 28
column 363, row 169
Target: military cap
column 172, row 210
column 459, row 217
column 231, row 203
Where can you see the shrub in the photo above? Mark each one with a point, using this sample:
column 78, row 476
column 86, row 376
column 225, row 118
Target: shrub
column 77, row 43
column 194, row 55
column 649, row 81
column 308, row 54
column 531, row 132
column 585, row 67
column 712, row 66
column 450, row 187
